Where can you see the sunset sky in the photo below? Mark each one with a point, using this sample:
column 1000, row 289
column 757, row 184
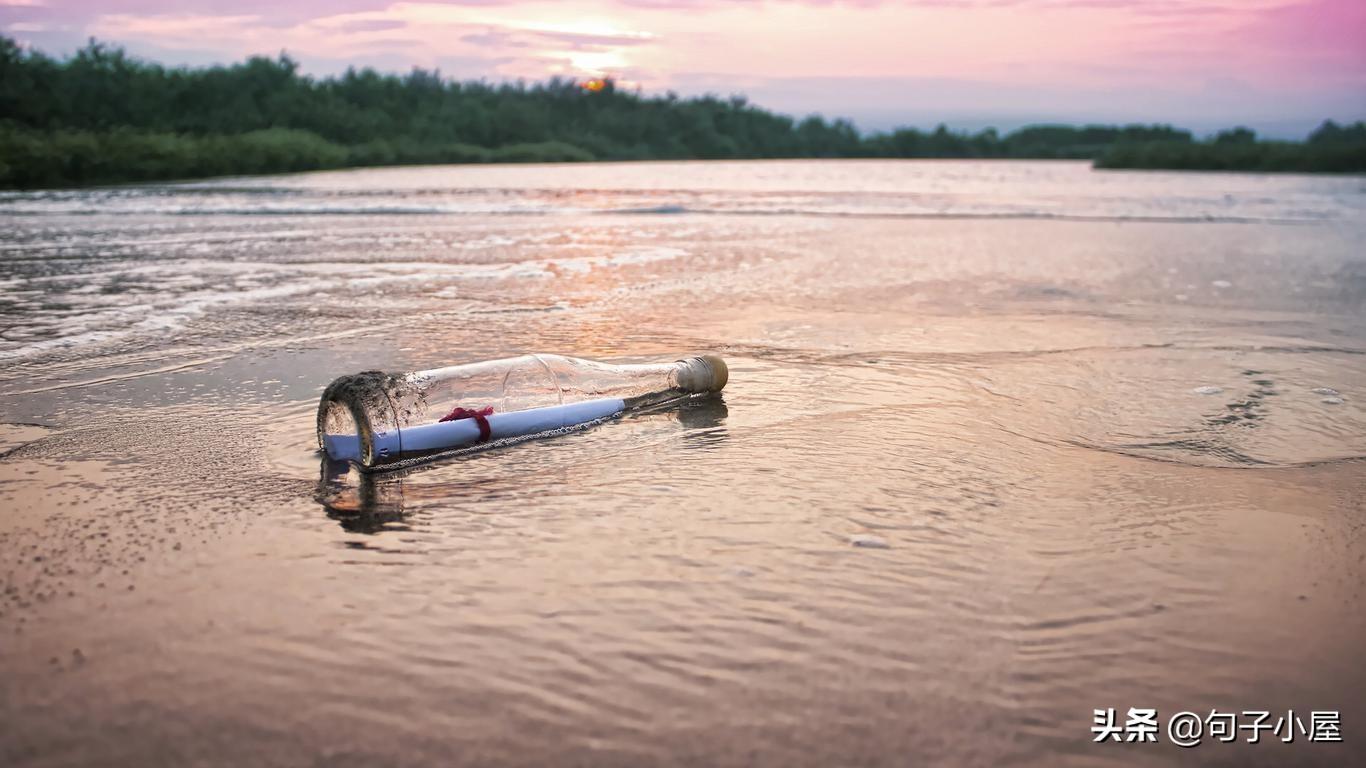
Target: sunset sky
column 1278, row 65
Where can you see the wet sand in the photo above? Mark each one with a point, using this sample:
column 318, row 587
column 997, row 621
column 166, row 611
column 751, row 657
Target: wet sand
column 1111, row 444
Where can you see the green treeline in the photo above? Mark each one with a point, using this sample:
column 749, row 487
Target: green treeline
column 101, row 116
column 1329, row 149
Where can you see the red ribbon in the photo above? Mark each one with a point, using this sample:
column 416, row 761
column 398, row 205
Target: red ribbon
column 470, row 413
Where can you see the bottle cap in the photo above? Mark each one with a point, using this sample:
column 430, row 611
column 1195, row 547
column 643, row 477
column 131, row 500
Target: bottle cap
column 704, row 373
column 720, row 373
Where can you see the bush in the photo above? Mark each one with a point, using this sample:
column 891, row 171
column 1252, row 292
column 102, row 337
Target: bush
column 1238, row 152
column 541, row 152
column 64, row 158
column 282, row 149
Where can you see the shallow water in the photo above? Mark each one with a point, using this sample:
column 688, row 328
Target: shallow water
column 1104, row 430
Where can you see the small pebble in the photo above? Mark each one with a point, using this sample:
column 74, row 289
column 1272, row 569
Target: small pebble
column 1207, row 390
column 1221, row 284
column 869, row 540
column 1331, row 400
column 1326, row 391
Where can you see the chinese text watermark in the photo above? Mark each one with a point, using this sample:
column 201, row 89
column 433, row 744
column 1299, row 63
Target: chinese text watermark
column 1189, row 729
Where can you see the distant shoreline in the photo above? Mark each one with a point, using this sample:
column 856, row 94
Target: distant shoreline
column 551, row 155
column 102, row 117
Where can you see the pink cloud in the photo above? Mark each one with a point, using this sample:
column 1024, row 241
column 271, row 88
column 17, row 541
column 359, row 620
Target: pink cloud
column 1316, row 28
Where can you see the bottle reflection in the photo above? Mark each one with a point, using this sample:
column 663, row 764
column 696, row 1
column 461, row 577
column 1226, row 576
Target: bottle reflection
column 703, row 419
column 362, row 502
column 372, row 502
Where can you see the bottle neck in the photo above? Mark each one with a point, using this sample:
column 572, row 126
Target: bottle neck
column 673, row 381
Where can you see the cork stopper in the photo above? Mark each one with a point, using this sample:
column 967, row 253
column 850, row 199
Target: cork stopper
column 704, row 373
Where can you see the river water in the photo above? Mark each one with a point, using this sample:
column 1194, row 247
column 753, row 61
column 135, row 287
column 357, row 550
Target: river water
column 1103, row 431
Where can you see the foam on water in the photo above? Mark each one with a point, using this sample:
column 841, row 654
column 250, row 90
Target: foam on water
column 82, row 308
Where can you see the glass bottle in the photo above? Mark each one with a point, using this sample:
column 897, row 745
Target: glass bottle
column 376, row 418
